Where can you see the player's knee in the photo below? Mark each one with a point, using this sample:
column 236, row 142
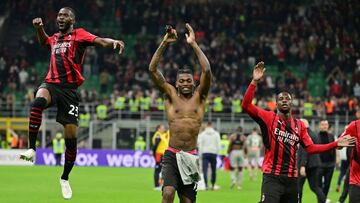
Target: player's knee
column 70, row 131
column 39, row 102
column 168, row 193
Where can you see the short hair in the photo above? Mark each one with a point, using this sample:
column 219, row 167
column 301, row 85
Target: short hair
column 324, row 119
column 70, row 9
column 284, row 91
column 184, row 71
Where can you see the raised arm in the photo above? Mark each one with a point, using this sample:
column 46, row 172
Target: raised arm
column 246, row 104
column 40, row 32
column 206, row 75
column 110, row 43
column 156, row 76
column 321, row 148
column 311, row 148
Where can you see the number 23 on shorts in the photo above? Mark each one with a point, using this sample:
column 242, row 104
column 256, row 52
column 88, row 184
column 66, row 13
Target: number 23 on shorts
column 74, row 110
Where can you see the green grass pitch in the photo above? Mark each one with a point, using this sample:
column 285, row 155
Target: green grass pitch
column 40, row 184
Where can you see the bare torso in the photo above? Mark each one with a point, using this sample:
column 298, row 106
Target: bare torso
column 185, row 117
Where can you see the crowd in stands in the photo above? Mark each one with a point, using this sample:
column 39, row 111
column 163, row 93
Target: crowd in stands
column 299, row 41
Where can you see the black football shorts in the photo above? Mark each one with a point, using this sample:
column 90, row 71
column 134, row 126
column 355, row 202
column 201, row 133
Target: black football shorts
column 67, row 102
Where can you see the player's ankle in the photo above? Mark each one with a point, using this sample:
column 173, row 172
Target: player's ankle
column 64, row 177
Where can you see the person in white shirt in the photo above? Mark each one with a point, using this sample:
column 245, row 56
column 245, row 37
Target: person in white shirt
column 209, row 146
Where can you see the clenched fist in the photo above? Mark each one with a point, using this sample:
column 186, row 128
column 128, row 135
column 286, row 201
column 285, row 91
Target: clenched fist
column 37, row 22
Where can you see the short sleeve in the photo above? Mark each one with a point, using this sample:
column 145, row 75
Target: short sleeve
column 304, row 136
column 350, row 130
column 85, row 36
column 157, row 135
column 49, row 40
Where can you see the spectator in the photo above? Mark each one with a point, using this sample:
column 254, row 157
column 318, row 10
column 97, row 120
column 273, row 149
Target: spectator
column 23, row 78
column 58, row 147
column 104, row 81
column 328, row 159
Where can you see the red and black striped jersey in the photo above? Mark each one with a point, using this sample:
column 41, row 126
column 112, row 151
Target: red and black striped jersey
column 354, row 130
column 67, row 54
column 281, row 138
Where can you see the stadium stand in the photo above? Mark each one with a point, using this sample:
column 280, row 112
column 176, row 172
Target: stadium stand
column 311, row 48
